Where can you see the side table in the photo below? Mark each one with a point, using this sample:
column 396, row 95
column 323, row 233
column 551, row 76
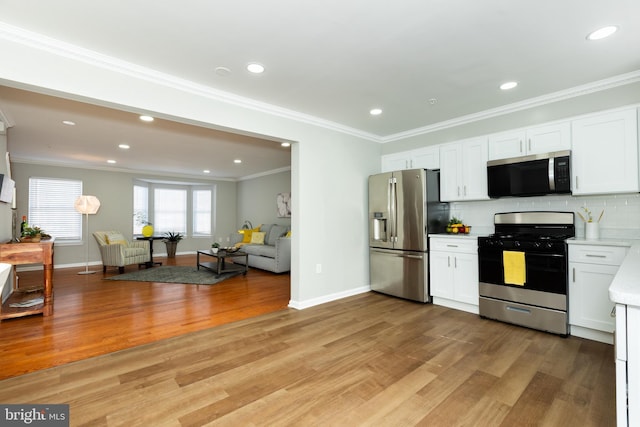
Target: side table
column 150, row 263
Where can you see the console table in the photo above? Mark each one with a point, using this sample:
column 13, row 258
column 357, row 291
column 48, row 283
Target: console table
column 29, row 253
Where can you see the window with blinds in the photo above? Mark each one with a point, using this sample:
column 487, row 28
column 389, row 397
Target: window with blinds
column 51, row 207
column 201, row 212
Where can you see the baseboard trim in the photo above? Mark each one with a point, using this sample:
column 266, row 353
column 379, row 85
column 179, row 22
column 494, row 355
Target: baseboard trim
column 301, row 305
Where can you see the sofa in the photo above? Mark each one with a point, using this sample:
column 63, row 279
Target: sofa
column 268, row 247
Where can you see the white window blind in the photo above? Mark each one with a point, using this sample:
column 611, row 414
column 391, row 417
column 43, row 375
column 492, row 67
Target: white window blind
column 201, row 212
column 169, row 210
column 51, row 207
column 140, row 207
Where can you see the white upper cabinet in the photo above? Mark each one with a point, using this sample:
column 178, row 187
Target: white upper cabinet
column 604, row 153
column 421, row 158
column 463, row 170
column 537, row 140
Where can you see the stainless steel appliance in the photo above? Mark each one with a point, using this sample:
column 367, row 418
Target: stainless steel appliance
column 523, row 270
column 404, row 207
column 534, row 175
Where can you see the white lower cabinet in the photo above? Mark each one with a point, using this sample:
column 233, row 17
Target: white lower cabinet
column 591, row 271
column 453, row 272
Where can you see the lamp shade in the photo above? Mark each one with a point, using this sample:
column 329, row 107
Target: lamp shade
column 87, row 204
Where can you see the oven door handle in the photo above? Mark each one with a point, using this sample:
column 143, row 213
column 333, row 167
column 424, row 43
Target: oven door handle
column 518, row 309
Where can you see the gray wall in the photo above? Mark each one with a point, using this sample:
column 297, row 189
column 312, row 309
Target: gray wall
column 257, row 199
column 5, row 218
column 115, row 192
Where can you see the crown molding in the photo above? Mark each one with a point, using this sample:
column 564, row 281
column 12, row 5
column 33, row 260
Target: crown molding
column 67, row 50
column 597, row 86
column 60, row 48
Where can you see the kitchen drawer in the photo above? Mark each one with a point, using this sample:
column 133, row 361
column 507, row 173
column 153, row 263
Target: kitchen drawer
column 596, row 254
column 451, row 244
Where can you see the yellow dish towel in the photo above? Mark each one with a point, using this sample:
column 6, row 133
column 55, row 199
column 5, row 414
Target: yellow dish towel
column 515, row 271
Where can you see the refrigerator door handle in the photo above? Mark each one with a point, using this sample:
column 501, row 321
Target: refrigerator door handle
column 392, row 208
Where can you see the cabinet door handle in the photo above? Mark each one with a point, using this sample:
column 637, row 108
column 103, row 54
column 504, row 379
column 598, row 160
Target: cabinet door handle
column 465, row 190
column 448, row 261
column 577, row 186
column 595, row 256
column 529, row 144
column 613, row 311
column 574, row 275
column 455, row 262
column 451, row 246
column 520, row 146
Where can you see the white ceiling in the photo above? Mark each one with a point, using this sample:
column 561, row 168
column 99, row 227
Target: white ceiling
column 333, row 60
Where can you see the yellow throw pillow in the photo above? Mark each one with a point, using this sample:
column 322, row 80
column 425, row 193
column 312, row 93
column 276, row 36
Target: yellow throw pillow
column 247, row 234
column 257, row 238
column 115, row 238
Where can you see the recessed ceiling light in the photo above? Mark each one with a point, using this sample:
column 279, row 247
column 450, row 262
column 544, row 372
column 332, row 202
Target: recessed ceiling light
column 237, row 161
column 68, row 123
column 285, row 144
column 206, row 171
column 146, row 118
column 124, row 146
column 602, row 33
column 111, row 161
column 508, row 85
column 375, row 111
column 255, row 68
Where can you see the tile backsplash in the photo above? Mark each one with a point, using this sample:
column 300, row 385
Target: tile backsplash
column 621, row 218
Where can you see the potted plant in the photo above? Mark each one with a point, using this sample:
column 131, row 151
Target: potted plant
column 214, row 247
column 31, row 235
column 171, row 239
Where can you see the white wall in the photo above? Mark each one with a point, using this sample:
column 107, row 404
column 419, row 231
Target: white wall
column 257, row 199
column 329, row 168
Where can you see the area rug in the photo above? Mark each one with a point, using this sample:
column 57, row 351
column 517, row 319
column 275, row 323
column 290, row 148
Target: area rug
column 172, row 274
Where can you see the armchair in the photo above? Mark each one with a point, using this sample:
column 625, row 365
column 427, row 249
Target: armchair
column 116, row 251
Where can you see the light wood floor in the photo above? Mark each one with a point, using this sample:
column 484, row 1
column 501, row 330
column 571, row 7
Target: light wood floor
column 364, row 360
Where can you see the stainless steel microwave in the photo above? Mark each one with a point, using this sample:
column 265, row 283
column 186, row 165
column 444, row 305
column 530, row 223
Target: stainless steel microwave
column 533, row 175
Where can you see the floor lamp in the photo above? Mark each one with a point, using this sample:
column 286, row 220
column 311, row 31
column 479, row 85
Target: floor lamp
column 87, row 205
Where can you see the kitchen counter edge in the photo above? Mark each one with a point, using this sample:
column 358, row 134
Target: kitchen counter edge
column 625, row 287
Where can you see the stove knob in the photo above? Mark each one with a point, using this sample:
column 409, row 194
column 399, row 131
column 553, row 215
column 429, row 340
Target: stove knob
column 500, row 243
column 549, row 245
column 516, row 244
column 537, row 244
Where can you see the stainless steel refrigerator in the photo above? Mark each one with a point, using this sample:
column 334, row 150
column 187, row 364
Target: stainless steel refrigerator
column 404, row 207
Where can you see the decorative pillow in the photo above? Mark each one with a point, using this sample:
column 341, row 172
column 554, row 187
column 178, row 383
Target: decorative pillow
column 276, row 232
column 257, row 238
column 247, row 234
column 115, row 238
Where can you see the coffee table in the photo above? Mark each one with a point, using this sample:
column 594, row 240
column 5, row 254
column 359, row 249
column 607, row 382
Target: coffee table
column 220, row 266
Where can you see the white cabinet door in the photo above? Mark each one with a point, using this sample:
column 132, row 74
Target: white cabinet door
column 507, row 144
column 395, row 162
column 547, row 139
column 474, row 156
column 426, row 158
column 466, row 278
column 536, row 140
column 440, row 274
column 589, row 304
column 463, row 170
column 449, row 172
column 605, row 153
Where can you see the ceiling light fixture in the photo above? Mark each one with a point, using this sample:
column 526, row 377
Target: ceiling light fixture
column 238, row 161
column 375, row 111
column 602, row 33
column 124, row 146
column 111, row 161
column 285, row 144
column 508, row 85
column 146, row 118
column 255, row 68
column 68, row 123
column 206, row 171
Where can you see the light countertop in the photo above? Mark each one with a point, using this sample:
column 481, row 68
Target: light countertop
column 625, row 287
column 601, row 242
column 456, row 236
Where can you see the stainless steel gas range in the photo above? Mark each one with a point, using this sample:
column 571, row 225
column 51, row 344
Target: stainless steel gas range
column 523, row 270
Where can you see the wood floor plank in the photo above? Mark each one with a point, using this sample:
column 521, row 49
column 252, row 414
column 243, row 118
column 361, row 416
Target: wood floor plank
column 364, row 360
